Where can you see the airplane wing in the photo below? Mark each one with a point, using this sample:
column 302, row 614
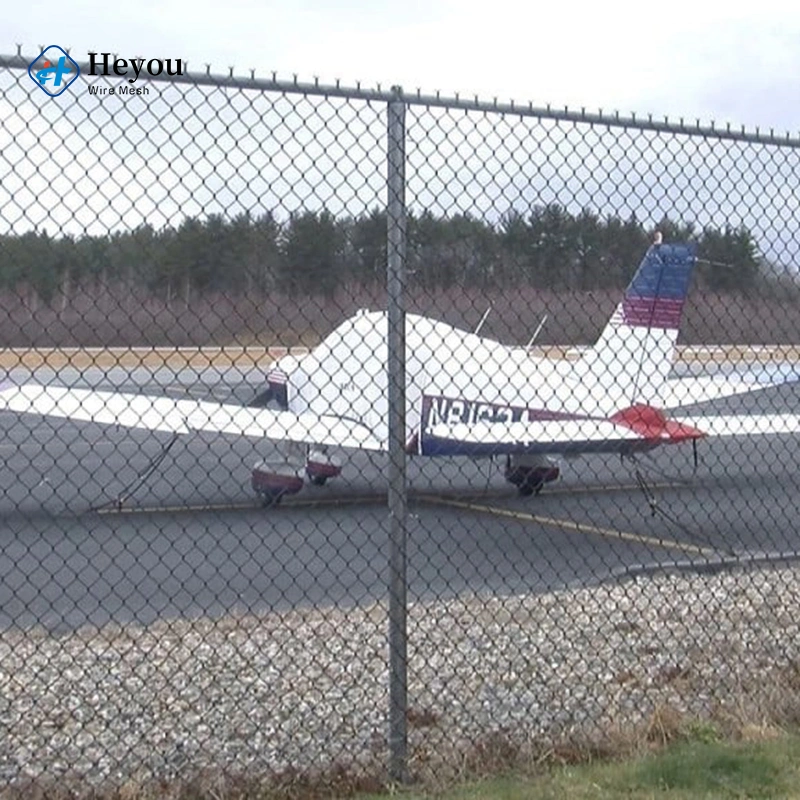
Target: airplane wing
column 554, row 436
column 185, row 416
column 679, row 392
column 455, row 426
column 743, row 424
column 566, row 436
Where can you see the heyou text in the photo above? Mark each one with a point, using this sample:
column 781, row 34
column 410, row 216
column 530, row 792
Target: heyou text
column 107, row 64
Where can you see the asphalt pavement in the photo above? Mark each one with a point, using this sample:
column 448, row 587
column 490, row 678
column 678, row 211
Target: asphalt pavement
column 85, row 540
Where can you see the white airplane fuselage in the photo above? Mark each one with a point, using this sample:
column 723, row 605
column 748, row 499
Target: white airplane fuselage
column 472, row 377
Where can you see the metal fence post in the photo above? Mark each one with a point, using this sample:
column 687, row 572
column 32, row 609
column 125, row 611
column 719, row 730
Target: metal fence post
column 396, row 378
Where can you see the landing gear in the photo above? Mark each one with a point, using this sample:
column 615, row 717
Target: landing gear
column 530, row 473
column 271, row 482
column 529, row 487
column 320, row 466
column 270, row 498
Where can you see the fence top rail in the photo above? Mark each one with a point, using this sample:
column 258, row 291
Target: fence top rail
column 457, row 102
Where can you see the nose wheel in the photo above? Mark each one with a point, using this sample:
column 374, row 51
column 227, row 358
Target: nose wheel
column 528, row 488
column 320, row 466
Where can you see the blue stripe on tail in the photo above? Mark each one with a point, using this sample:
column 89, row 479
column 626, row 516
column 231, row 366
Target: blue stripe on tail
column 665, row 271
column 659, row 288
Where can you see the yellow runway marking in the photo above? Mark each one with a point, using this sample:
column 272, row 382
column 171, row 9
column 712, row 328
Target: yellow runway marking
column 112, row 510
column 370, row 499
column 506, row 494
column 253, row 506
column 577, row 527
column 614, row 487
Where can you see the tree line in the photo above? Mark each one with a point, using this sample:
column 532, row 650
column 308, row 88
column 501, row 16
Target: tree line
column 317, row 254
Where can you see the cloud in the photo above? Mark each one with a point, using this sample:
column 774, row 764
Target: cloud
column 241, row 153
column 685, row 58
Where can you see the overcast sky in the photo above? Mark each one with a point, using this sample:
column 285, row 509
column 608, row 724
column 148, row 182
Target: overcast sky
column 680, row 59
column 731, row 62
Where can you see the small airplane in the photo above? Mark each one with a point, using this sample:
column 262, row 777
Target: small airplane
column 466, row 395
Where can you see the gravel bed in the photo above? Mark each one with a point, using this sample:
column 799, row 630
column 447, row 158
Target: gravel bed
column 305, row 689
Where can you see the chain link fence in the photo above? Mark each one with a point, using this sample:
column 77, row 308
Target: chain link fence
column 240, row 317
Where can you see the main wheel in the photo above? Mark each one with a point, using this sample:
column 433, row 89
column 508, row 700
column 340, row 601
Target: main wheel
column 270, row 499
column 529, row 486
column 319, row 480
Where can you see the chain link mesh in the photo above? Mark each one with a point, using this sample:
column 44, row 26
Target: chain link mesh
column 188, row 276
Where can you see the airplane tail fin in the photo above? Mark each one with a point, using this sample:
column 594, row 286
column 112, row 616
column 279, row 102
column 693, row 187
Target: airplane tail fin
column 631, row 360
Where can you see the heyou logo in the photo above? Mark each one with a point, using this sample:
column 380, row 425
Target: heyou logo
column 131, row 68
column 53, row 70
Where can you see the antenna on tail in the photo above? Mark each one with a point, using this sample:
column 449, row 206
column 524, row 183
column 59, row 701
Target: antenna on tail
column 483, row 319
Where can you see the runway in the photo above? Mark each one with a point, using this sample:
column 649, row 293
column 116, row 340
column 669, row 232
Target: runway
column 192, row 540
